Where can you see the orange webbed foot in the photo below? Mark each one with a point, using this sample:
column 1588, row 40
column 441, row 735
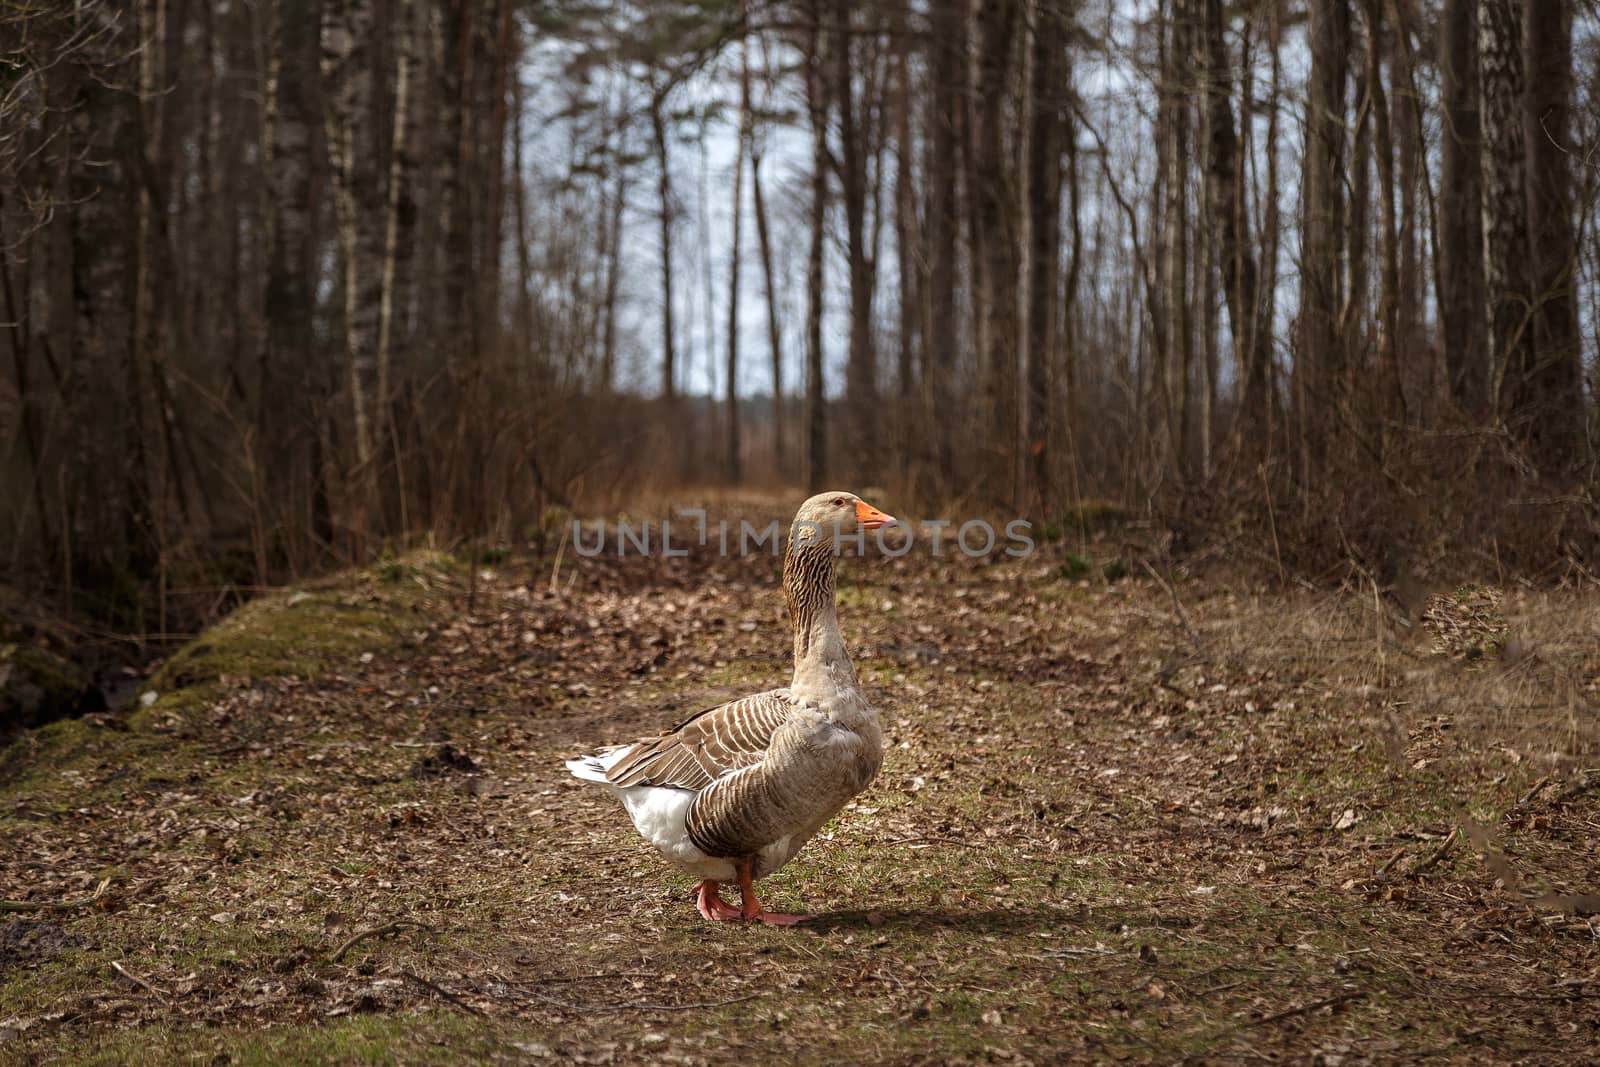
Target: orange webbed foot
column 751, row 909
column 709, row 903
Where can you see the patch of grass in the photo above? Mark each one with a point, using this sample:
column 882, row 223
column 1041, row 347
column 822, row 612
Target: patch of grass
column 300, row 633
column 413, row 1037
column 1074, row 567
column 295, row 634
column 1097, row 836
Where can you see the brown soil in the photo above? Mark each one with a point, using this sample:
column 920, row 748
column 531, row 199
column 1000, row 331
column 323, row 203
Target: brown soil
column 1149, row 820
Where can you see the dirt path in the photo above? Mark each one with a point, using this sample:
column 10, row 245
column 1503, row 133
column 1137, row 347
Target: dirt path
column 1115, row 822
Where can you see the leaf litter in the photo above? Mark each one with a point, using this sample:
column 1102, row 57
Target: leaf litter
column 1267, row 873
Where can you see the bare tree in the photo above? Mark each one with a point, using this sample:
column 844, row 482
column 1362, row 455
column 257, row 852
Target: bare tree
column 1555, row 389
column 1461, row 267
column 1505, row 213
column 816, row 438
column 1320, row 357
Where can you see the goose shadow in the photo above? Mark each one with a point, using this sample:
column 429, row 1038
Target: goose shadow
column 979, row 920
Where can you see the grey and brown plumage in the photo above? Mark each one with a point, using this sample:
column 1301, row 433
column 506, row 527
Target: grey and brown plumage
column 733, row 792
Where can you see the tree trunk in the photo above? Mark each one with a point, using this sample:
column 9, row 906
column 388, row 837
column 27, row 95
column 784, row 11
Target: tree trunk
column 861, row 365
column 995, row 229
column 658, row 129
column 618, row 202
column 451, row 322
column 947, row 45
column 1067, row 388
column 394, row 312
column 1263, row 357
column 1178, row 361
column 905, row 204
column 1353, row 314
column 1556, row 389
column 816, row 452
column 347, row 31
column 1513, row 390
column 780, row 427
column 732, row 459
column 1461, row 265
column 1320, row 356
column 1050, row 89
column 1390, row 401
column 288, row 373
column 1404, row 106
column 1225, row 207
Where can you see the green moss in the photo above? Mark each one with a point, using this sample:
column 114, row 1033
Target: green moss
column 1074, row 567
column 297, row 633
column 423, row 1037
column 37, row 686
column 1092, row 516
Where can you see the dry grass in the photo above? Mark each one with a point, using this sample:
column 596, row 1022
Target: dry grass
column 1115, row 821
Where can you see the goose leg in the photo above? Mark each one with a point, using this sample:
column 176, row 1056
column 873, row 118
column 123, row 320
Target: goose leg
column 708, row 901
column 751, row 907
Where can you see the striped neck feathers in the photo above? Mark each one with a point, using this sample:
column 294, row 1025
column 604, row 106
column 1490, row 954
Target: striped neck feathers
column 808, row 586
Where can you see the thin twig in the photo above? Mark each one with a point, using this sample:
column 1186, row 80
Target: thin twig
column 556, row 978
column 136, row 980
column 441, row 991
column 1435, row 856
column 1325, row 1002
column 57, row 905
column 1388, row 864
column 1522, row 801
column 646, row 1006
column 642, row 1005
column 1177, row 605
column 1272, row 524
column 555, row 571
column 375, row 931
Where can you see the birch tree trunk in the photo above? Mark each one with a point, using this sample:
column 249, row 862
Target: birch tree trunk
column 658, row 130
column 780, row 422
column 816, row 451
column 1505, row 215
column 394, row 307
column 1390, row 400
column 347, row 33
column 618, row 202
column 732, row 460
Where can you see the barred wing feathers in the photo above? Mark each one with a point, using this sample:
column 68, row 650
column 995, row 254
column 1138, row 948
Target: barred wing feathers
column 707, row 745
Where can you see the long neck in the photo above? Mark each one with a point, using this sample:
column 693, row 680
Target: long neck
column 820, row 659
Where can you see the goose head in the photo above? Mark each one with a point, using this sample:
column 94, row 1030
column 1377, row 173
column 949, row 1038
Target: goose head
column 836, row 515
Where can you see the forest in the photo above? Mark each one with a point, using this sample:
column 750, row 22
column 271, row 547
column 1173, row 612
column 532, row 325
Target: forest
column 334, row 333
column 289, row 284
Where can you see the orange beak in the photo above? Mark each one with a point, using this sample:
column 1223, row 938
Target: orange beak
column 870, row 518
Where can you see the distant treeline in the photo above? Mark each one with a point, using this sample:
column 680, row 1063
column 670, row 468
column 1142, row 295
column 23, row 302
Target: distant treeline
column 285, row 284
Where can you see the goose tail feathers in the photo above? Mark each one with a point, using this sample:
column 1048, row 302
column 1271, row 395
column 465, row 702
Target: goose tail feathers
column 593, row 768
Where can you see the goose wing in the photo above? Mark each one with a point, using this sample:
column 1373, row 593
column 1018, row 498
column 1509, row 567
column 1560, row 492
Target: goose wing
column 707, row 745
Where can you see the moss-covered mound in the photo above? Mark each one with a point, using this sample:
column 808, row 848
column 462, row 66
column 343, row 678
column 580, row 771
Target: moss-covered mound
column 37, row 686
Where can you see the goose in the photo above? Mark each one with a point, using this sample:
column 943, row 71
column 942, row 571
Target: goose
column 732, row 793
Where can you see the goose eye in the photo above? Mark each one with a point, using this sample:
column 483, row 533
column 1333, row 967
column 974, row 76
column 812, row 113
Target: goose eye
column 838, row 502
